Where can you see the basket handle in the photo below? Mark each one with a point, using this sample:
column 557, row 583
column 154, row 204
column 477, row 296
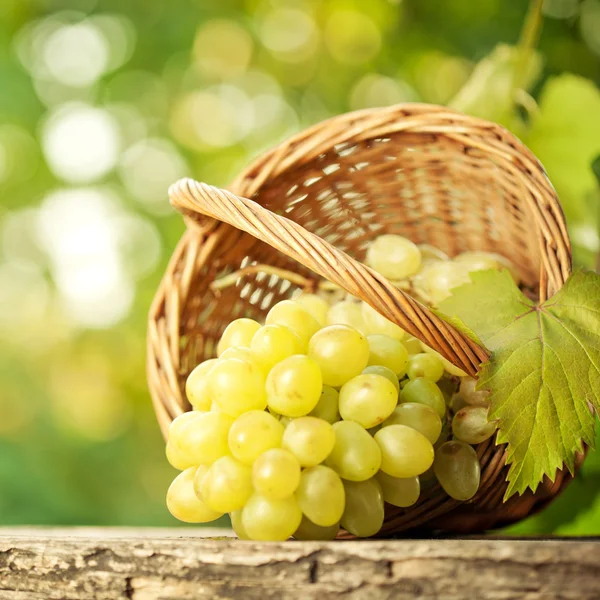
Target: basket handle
column 196, row 200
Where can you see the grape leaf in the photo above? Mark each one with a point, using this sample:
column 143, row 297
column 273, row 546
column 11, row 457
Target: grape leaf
column 544, row 369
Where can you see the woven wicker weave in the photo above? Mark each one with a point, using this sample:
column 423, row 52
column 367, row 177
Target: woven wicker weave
column 318, row 199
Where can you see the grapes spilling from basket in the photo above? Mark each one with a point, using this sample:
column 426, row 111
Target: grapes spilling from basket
column 315, row 419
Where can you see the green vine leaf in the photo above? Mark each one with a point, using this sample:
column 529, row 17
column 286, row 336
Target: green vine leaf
column 544, row 370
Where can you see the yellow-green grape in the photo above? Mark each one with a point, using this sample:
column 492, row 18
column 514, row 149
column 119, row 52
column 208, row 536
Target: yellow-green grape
column 294, row 386
column 237, row 386
column 429, row 252
column 349, row 313
column 439, row 278
column 276, row 473
column 341, row 353
column 394, row 256
column 425, row 365
column 450, row 368
column 412, row 345
column 176, row 459
column 368, row 400
column 237, row 525
column 266, row 519
column 309, row 531
column 226, row 485
column 204, row 439
column 296, row 317
column 355, row 455
column 196, row 385
column 238, row 333
column 481, row 261
column 183, row 503
column 399, row 491
column 384, row 372
column 388, row 352
column 317, row 306
column 456, row 467
column 285, row 421
column 404, row 451
column 424, row 391
column 180, row 422
column 457, row 402
column 309, row 439
column 420, row 417
column 272, row 343
column 470, row 425
column 377, row 323
column 321, row 495
column 252, row 434
column 364, row 512
column 327, row 407
column 471, row 395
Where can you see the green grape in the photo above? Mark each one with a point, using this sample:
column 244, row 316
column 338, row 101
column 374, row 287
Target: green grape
column 482, row 261
column 237, row 386
column 404, row 451
column 183, row 503
column 424, row 391
column 180, row 422
column 394, row 256
column 348, row 313
column 276, row 473
column 309, row 439
column 439, row 278
column 272, row 343
column 196, row 385
column 294, row 386
column 457, row 402
column 429, row 252
column 471, row 395
column 384, row 372
column 425, row 365
column 377, row 323
column 237, row 525
column 204, row 439
column 252, row 434
column 317, row 306
column 309, row 531
column 450, row 368
column 355, row 455
column 176, row 459
column 420, row 417
column 457, row 469
column 402, row 492
column 364, row 511
column 238, row 333
column 388, row 352
column 341, row 353
column 412, row 345
column 266, row 519
column 296, row 317
column 321, row 495
column 226, row 485
column 470, row 425
column 327, row 407
column 368, row 400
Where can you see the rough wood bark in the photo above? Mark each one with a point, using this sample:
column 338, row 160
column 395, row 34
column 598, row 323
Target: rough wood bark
column 105, row 564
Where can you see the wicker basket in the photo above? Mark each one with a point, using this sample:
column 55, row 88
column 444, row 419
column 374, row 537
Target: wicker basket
column 424, row 172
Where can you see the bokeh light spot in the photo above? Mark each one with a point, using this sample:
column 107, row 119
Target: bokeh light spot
column 352, row 37
column 376, row 90
column 289, row 33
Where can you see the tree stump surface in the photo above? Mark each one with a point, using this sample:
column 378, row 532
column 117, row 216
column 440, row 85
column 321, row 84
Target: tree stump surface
column 173, row 564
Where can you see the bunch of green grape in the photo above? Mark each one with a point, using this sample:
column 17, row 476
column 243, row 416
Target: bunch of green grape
column 315, row 419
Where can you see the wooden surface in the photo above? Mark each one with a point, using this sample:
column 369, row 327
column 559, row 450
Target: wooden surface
column 99, row 564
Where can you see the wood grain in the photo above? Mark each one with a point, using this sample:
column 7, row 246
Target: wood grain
column 103, row 564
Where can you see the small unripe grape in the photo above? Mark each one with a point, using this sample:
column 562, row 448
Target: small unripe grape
column 266, row 519
column 368, row 400
column 183, row 503
column 424, row 391
column 196, row 385
column 252, row 434
column 457, row 469
column 402, row 492
column 388, row 352
column 420, row 417
column 238, row 333
column 364, row 511
column 294, row 386
column 384, row 372
column 309, row 439
column 425, row 365
column 377, row 323
column 470, row 425
column 355, row 455
column 226, row 485
column 347, row 313
column 404, row 451
column 341, row 353
column 309, row 531
column 394, row 256
column 294, row 316
column 327, row 407
column 317, row 306
column 321, row 495
column 272, row 343
column 276, row 473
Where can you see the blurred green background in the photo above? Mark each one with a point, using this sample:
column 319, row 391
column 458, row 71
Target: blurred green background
column 104, row 103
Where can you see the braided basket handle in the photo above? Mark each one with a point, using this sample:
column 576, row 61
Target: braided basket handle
column 196, row 200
